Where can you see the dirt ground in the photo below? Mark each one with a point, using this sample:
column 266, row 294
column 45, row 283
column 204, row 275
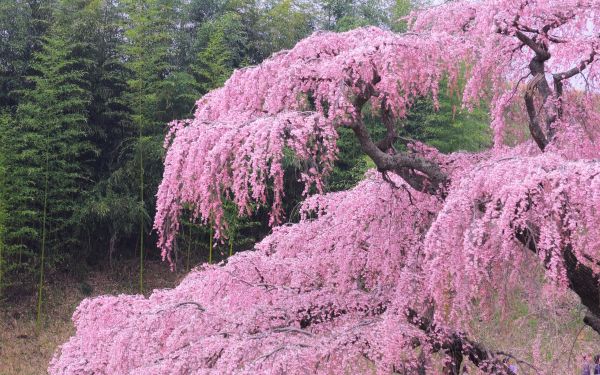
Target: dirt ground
column 25, row 351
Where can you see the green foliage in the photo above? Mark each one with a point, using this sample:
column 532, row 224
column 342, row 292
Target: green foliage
column 284, row 23
column 14, row 25
column 351, row 165
column 179, row 92
column 111, row 212
column 222, row 47
column 22, row 26
column 108, row 113
column 200, row 11
column 242, row 233
column 340, row 15
column 45, row 145
column 449, row 127
column 335, row 10
column 150, row 37
column 194, row 243
column 401, row 9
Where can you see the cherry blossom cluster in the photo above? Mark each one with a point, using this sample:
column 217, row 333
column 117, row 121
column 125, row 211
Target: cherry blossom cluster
column 499, row 32
column 549, row 201
column 325, row 295
column 380, row 277
column 331, row 293
column 238, row 160
column 234, row 146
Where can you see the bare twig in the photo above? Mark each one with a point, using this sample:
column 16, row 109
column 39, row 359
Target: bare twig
column 198, row 306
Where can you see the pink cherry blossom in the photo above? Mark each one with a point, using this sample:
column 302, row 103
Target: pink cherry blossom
column 383, row 276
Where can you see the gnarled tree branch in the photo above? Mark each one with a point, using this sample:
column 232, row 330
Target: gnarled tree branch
column 421, row 174
column 582, row 279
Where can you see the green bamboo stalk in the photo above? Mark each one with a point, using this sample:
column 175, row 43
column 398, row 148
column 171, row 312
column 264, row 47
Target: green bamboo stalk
column 140, row 138
column 38, row 319
column 1, row 251
column 2, row 227
column 1, row 261
column 141, row 216
column 230, row 246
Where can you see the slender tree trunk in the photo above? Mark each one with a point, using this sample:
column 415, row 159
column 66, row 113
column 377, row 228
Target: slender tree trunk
column 141, row 216
column 111, row 249
column 140, row 139
column 41, row 281
column 1, row 263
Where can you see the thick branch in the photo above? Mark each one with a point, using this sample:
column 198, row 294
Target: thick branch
column 423, row 175
column 458, row 346
column 544, row 136
column 560, row 77
column 535, row 128
column 582, row 279
column 576, row 69
column 539, row 83
column 541, row 133
column 391, row 135
column 540, row 51
column 583, row 282
column 454, row 344
column 559, row 20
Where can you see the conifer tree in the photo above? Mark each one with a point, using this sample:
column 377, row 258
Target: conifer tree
column 222, row 48
column 23, row 24
column 284, row 23
column 150, row 42
column 46, row 151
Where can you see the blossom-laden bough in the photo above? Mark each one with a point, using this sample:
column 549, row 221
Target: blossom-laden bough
column 384, row 277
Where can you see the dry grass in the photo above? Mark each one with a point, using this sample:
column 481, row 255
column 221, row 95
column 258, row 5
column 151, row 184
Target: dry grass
column 23, row 351
column 538, row 325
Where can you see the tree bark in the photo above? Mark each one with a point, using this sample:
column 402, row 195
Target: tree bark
column 582, row 280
